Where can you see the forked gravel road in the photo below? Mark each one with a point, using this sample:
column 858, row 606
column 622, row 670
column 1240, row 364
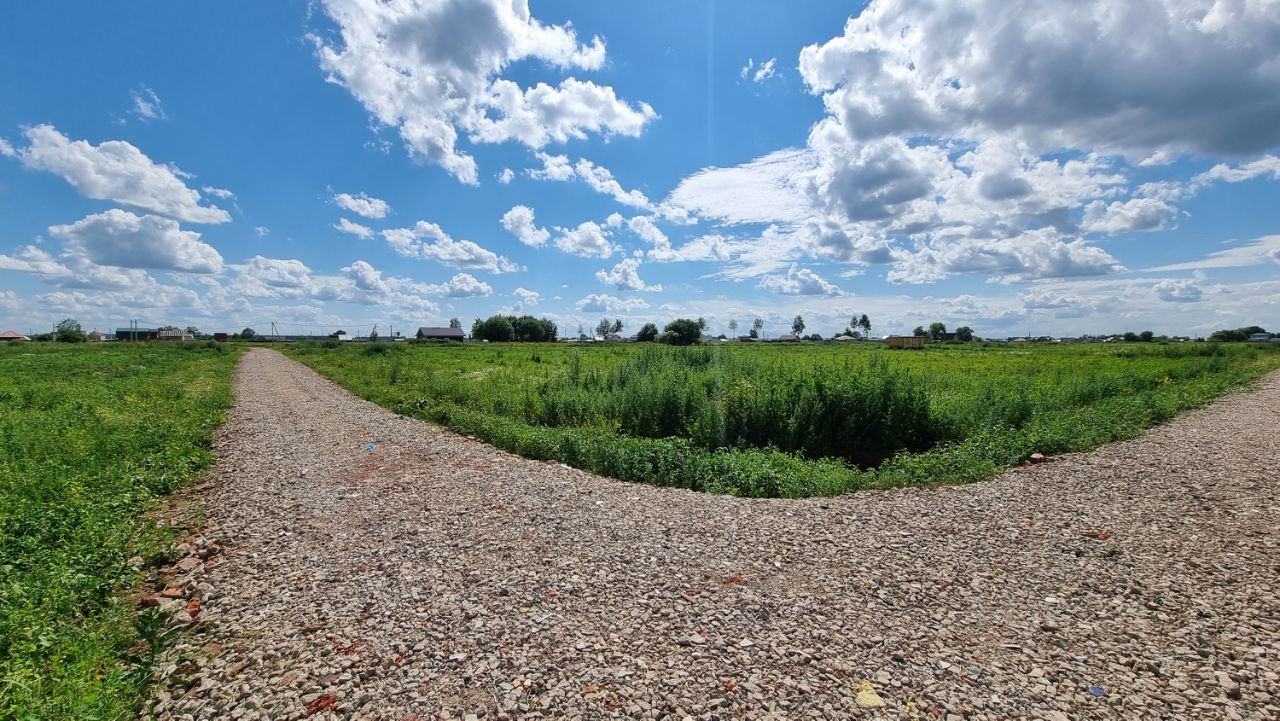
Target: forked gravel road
column 436, row 577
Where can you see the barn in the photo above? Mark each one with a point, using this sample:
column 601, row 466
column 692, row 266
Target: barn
column 906, row 341
column 433, row 333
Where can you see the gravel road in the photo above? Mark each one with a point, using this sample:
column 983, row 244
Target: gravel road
column 358, row 564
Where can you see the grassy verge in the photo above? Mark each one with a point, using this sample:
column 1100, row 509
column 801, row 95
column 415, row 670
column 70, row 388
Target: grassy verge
column 90, row 436
column 747, row 421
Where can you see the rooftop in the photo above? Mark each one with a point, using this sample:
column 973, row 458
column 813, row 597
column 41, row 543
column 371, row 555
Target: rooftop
column 441, row 332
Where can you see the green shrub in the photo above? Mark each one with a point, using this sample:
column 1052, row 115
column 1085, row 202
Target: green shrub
column 791, row 420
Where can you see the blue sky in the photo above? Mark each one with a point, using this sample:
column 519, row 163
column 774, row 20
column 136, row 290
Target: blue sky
column 1015, row 167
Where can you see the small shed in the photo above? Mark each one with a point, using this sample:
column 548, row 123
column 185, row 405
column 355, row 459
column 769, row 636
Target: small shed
column 433, row 333
column 13, row 335
column 906, row 341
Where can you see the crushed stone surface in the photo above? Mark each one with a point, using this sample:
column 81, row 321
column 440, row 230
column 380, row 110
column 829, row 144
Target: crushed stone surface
column 359, row 564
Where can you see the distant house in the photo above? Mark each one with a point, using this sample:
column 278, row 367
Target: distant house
column 433, row 333
column 747, row 338
column 906, row 341
column 1259, row 337
column 789, row 338
column 173, row 335
column 96, row 335
column 220, row 337
column 614, row 337
column 844, row 338
column 12, row 336
column 136, row 333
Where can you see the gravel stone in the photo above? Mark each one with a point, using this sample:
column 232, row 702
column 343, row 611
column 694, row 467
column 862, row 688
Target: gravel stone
column 437, row 577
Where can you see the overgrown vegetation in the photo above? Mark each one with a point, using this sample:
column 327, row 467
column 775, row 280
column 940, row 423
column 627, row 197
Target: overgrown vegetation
column 794, row 420
column 90, row 435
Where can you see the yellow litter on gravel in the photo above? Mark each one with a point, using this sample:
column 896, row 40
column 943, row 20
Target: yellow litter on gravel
column 867, row 696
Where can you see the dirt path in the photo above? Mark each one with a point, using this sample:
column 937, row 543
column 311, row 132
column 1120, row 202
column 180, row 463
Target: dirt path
column 434, row 576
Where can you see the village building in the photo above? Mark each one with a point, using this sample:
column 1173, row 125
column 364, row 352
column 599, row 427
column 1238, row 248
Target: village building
column 906, row 341
column 434, row 333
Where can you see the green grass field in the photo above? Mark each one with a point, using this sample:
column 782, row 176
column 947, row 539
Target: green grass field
column 90, row 436
column 792, row 420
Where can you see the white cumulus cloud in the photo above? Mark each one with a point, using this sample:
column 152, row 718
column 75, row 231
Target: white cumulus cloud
column 526, row 296
column 799, row 281
column 626, row 276
column 462, row 285
column 432, row 70
column 360, row 231
column 519, row 222
column 596, row 177
column 363, row 205
column 604, row 303
column 1137, row 77
column 1177, row 291
column 120, row 238
column 588, row 240
column 429, row 241
column 116, row 170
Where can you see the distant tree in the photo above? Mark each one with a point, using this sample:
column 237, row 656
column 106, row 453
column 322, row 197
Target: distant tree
column 495, row 329
column 1131, row 337
column 919, row 332
column 527, row 329
column 549, row 329
column 168, row 327
column 1146, row 336
column 648, row 333
column 477, row 329
column 964, row 333
column 617, row 325
column 455, row 323
column 1237, row 334
column 733, row 327
column 753, row 333
column 580, row 334
column 69, row 331
column 603, row 327
column 373, row 333
column 702, row 323
column 865, row 324
column 682, row 331
column 248, row 334
column 797, row 325
column 814, row 337
column 193, row 331
column 757, row 326
column 339, row 332
column 937, row 330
